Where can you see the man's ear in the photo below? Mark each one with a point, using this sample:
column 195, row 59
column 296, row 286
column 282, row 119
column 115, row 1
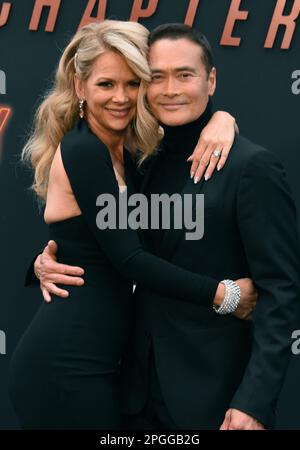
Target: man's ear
column 78, row 87
column 212, row 81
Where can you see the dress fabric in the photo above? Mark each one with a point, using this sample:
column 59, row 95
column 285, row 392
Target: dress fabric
column 64, row 373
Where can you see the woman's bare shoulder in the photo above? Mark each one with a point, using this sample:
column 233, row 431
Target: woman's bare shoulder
column 57, row 170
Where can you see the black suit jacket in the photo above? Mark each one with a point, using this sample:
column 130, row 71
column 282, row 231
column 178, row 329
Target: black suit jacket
column 207, row 363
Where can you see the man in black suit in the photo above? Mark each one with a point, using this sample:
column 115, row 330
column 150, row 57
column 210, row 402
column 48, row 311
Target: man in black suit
column 189, row 366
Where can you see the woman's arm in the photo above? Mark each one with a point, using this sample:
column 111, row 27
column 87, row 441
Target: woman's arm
column 218, row 135
column 88, row 165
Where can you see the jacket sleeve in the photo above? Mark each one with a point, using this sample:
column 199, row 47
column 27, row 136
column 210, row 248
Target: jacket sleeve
column 30, row 278
column 90, row 171
column 268, row 226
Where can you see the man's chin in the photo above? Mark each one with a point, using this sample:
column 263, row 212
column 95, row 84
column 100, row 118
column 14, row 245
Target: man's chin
column 174, row 121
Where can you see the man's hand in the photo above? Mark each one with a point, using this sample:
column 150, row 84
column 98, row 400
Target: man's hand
column 248, row 299
column 50, row 273
column 237, row 420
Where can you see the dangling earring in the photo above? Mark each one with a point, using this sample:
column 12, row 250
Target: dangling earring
column 81, row 111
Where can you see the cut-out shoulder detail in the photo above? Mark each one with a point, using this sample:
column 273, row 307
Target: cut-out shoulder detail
column 61, row 203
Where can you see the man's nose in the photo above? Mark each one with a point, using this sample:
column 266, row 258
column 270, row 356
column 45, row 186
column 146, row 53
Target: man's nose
column 171, row 87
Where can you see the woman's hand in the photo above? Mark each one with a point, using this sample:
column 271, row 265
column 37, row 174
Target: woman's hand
column 247, row 301
column 216, row 139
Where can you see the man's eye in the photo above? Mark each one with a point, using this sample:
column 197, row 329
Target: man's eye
column 185, row 75
column 156, row 77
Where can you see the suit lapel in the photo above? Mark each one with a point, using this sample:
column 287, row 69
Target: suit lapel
column 172, row 237
column 146, row 171
column 130, row 172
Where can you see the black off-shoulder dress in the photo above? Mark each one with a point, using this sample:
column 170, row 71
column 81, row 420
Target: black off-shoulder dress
column 64, row 372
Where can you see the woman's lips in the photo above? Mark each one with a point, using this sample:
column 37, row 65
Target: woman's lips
column 119, row 113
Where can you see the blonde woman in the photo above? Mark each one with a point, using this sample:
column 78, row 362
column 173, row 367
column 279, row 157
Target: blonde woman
column 65, row 370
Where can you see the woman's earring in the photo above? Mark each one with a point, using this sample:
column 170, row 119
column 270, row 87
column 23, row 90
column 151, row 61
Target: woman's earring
column 81, row 111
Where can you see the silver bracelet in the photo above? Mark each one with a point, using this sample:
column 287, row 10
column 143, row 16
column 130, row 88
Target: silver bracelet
column 231, row 300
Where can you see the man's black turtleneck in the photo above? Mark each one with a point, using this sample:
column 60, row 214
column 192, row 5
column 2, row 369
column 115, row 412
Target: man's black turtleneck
column 171, row 171
column 182, row 139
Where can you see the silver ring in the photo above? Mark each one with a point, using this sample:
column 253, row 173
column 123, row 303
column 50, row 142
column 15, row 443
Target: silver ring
column 216, row 153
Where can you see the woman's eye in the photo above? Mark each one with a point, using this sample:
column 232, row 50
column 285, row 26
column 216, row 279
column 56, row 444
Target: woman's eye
column 105, row 84
column 135, row 83
column 156, row 77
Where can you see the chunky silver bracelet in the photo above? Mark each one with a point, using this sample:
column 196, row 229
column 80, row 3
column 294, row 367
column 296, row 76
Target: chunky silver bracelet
column 231, row 300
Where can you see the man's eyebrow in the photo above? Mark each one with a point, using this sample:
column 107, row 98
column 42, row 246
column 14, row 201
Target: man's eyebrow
column 177, row 69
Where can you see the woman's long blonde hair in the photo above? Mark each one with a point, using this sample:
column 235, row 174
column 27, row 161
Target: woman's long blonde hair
column 59, row 110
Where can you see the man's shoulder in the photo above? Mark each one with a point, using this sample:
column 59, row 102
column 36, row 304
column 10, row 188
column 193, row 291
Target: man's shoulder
column 246, row 149
column 245, row 153
column 248, row 159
